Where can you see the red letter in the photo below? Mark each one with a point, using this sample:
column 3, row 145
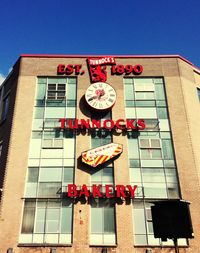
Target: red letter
column 112, row 124
column 96, row 123
column 84, row 191
column 77, row 68
column 141, row 124
column 129, row 123
column 62, row 123
column 61, row 69
column 72, row 192
column 85, row 123
column 118, row 125
column 120, row 191
column 137, row 69
column 70, row 123
column 132, row 190
column 69, row 69
column 96, row 190
column 109, row 190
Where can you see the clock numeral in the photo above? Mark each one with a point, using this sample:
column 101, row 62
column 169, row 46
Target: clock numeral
column 89, row 95
column 94, row 104
column 95, row 86
column 100, row 85
column 100, row 105
column 112, row 95
column 90, row 90
column 110, row 100
column 110, row 90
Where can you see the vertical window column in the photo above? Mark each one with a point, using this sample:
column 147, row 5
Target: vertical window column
column 103, row 227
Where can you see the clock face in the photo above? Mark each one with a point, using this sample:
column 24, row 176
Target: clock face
column 100, row 96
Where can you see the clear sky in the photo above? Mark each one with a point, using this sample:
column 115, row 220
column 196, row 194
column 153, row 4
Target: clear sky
column 98, row 27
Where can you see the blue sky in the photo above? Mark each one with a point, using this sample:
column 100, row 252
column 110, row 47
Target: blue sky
column 98, row 27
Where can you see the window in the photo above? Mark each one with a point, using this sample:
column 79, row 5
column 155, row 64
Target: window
column 1, row 147
column 150, row 149
column 5, row 108
column 103, row 228
column 47, row 221
column 141, row 95
column 143, row 227
column 198, row 93
column 53, row 139
column 56, row 91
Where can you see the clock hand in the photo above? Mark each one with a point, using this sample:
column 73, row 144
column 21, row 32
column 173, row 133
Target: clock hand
column 92, row 98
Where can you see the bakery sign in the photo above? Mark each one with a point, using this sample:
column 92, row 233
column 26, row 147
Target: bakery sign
column 100, row 191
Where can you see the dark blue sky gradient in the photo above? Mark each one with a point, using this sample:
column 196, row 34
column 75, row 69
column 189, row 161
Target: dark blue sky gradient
column 98, row 27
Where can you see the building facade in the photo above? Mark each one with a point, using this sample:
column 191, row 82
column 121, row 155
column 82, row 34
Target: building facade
column 61, row 189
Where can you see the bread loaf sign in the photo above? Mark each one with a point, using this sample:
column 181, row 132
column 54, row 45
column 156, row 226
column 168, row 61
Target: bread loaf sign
column 102, row 154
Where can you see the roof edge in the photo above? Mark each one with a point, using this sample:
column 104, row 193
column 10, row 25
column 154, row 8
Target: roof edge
column 118, row 56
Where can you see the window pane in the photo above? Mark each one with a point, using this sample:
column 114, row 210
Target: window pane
column 128, row 80
column 33, row 174
column 159, row 90
column 135, row 175
column 153, row 175
column 130, row 113
column 129, row 94
column 162, row 113
column 50, row 174
column 144, row 95
column 39, row 112
column 155, row 190
column 107, row 174
column 198, row 93
column 52, row 220
column 133, row 149
column 167, row 149
column 5, row 108
column 145, row 154
column 68, row 174
column 146, row 113
column 140, row 239
column 40, row 220
column 49, row 189
column 28, row 217
column 66, row 220
column 139, row 221
column 156, row 153
column 171, row 175
column 71, row 91
column 41, row 92
column 55, row 112
column 96, row 224
column 42, row 80
column 145, row 103
column 109, row 220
